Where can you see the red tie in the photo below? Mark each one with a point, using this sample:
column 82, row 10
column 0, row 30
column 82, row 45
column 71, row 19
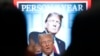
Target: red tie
column 55, row 49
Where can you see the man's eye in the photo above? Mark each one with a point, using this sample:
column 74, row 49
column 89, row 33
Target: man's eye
column 57, row 22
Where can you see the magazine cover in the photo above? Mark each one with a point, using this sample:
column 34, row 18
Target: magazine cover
column 51, row 16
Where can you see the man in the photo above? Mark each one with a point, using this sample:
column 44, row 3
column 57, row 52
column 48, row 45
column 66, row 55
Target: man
column 52, row 25
column 47, row 44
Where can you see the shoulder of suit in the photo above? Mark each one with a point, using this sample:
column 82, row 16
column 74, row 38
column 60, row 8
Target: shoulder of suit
column 55, row 54
column 35, row 34
column 59, row 40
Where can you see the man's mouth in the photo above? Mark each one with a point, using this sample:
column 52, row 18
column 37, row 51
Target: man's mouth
column 47, row 48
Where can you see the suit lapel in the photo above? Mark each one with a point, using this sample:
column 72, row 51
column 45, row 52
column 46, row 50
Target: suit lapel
column 59, row 44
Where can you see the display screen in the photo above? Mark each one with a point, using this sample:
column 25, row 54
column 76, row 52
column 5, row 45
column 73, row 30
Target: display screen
column 41, row 17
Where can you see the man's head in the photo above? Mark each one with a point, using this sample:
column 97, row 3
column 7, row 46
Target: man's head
column 34, row 46
column 53, row 22
column 46, row 42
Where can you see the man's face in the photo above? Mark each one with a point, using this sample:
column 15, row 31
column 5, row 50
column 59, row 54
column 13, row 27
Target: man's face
column 53, row 24
column 46, row 44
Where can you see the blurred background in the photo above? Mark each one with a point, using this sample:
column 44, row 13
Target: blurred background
column 2, row 1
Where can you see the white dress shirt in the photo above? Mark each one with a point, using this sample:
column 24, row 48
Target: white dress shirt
column 52, row 54
column 56, row 46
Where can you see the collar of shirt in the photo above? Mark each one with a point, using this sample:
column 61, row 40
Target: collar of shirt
column 52, row 54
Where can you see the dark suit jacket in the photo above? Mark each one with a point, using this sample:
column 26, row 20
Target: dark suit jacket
column 41, row 54
column 61, row 44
